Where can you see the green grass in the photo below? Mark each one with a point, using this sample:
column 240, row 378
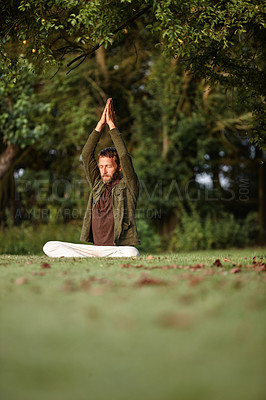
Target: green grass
column 89, row 329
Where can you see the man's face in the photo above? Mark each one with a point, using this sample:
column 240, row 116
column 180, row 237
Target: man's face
column 109, row 169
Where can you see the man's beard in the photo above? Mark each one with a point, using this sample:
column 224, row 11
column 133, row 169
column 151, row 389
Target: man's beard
column 111, row 178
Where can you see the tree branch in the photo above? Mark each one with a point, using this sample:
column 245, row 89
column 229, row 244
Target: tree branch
column 96, row 47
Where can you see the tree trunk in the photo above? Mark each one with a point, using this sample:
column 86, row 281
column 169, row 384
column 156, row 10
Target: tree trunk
column 101, row 61
column 262, row 202
column 7, row 158
column 167, row 224
column 166, row 141
column 183, row 103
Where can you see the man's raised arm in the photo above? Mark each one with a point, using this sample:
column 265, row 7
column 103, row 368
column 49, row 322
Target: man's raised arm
column 129, row 173
column 88, row 152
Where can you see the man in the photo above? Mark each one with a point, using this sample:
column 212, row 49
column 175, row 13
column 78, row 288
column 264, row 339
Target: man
column 109, row 220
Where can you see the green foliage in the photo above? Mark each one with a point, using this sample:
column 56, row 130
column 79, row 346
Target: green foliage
column 183, row 129
column 30, row 238
column 212, row 232
column 221, row 41
column 22, row 118
column 150, row 239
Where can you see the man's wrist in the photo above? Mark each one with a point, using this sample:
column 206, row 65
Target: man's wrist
column 112, row 126
column 99, row 127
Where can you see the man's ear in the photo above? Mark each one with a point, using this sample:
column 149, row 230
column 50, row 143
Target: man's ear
column 119, row 168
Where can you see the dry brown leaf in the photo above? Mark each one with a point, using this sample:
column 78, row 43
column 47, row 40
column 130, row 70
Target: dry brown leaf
column 217, row 263
column 69, row 286
column 196, row 267
column 227, row 259
column 235, row 270
column 125, row 265
column 173, row 320
column 209, row 272
column 97, row 291
column 46, row 265
column 62, row 273
column 85, row 284
column 195, row 280
column 21, row 280
column 146, row 280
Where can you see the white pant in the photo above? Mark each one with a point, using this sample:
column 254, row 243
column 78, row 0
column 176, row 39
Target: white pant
column 64, row 249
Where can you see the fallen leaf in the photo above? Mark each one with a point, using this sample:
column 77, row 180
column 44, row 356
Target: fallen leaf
column 173, row 320
column 62, row 273
column 150, row 257
column 227, row 259
column 217, row 263
column 209, row 272
column 21, row 280
column 45, row 265
column 235, row 270
column 187, row 298
column 69, row 286
column 146, row 280
column 257, row 266
column 93, row 313
column 125, row 265
column 196, row 267
column 238, row 284
column 85, row 284
column 97, row 291
column 195, row 280
column 42, row 273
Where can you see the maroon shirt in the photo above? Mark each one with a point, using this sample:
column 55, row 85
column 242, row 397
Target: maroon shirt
column 103, row 218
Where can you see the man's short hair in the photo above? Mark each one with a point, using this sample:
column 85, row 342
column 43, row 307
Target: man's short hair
column 110, row 152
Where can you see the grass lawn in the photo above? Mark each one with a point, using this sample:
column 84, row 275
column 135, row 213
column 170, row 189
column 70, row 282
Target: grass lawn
column 159, row 329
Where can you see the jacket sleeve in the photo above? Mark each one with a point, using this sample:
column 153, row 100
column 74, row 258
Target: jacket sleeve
column 128, row 171
column 88, row 157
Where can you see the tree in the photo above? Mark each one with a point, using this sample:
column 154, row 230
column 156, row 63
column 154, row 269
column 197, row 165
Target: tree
column 187, row 133
column 222, row 41
column 21, row 125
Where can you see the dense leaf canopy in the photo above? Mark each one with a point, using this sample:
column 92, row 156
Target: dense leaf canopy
column 218, row 40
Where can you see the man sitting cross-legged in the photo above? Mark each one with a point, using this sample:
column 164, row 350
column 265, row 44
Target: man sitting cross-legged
column 109, row 221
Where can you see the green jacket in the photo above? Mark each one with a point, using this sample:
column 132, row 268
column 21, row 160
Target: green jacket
column 124, row 193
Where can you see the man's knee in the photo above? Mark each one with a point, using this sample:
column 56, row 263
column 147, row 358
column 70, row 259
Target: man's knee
column 50, row 246
column 132, row 251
